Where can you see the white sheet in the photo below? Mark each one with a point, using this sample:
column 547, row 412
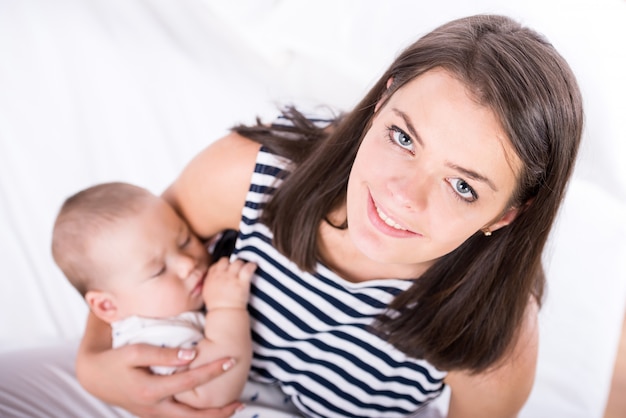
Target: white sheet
column 99, row 90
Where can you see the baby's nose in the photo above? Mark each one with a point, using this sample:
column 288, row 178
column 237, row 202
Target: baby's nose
column 185, row 265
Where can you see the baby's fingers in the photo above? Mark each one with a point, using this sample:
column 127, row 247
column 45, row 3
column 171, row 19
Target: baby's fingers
column 220, row 265
column 246, row 271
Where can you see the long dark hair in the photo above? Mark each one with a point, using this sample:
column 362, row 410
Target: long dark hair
column 466, row 310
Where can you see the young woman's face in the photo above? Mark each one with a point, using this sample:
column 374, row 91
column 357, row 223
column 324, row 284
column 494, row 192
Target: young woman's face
column 434, row 168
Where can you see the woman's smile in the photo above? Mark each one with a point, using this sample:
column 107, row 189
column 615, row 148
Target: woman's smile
column 388, row 220
column 385, row 223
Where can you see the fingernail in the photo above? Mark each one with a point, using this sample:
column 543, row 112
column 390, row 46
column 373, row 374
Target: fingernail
column 186, row 354
column 240, row 407
column 228, row 365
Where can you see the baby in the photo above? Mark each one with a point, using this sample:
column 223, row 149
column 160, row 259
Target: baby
column 141, row 269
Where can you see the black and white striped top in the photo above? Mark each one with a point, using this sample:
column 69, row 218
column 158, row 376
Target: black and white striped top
column 310, row 331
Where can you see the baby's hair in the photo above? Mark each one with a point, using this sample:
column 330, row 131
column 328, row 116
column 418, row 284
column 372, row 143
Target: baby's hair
column 82, row 218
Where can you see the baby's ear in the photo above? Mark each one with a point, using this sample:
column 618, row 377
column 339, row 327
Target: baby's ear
column 102, row 305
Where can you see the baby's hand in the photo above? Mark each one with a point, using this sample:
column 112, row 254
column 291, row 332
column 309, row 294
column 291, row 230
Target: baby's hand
column 227, row 285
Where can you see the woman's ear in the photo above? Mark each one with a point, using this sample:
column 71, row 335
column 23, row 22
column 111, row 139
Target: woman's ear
column 508, row 217
column 389, row 82
column 102, row 305
column 384, row 96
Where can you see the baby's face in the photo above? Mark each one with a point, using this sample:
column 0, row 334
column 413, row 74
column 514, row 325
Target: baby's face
column 152, row 264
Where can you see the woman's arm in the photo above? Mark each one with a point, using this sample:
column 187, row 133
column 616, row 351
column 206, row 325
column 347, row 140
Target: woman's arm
column 121, row 376
column 211, row 190
column 499, row 393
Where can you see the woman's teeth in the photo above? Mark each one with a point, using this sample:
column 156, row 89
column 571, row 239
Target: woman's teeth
column 388, row 220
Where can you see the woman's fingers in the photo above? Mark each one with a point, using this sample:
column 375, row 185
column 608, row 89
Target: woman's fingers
column 149, row 395
column 145, row 355
column 167, row 386
column 161, row 387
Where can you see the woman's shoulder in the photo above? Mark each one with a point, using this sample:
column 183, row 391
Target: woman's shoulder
column 232, row 149
column 511, row 379
column 210, row 191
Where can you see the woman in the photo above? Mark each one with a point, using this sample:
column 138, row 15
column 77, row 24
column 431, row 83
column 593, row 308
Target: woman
column 399, row 246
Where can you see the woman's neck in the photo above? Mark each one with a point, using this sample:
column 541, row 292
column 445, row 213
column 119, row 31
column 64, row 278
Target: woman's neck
column 338, row 253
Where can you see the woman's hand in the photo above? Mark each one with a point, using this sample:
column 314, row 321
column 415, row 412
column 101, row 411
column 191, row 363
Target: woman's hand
column 121, row 376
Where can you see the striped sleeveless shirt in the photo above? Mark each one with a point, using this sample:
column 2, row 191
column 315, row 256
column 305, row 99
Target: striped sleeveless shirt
column 310, row 330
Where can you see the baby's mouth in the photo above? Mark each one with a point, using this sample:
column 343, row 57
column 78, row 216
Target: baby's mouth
column 198, row 286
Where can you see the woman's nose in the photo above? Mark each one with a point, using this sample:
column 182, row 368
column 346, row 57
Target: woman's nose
column 410, row 192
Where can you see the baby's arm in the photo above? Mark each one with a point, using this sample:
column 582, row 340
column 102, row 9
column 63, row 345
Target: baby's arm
column 227, row 331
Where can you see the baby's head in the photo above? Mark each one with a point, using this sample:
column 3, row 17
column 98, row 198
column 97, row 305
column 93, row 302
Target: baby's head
column 128, row 253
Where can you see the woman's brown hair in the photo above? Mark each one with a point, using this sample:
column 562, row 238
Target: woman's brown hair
column 466, row 310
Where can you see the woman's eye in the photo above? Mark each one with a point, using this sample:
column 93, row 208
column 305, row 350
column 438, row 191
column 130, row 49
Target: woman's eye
column 399, row 137
column 463, row 190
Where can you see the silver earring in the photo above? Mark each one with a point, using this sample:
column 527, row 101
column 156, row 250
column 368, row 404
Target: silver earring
column 487, row 232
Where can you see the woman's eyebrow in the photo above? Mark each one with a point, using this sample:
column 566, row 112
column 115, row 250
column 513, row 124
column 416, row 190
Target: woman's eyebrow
column 473, row 175
column 409, row 125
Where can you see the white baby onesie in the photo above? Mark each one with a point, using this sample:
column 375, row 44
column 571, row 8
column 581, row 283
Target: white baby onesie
column 182, row 331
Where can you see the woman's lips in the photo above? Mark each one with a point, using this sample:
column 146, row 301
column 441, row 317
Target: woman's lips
column 388, row 220
column 385, row 224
